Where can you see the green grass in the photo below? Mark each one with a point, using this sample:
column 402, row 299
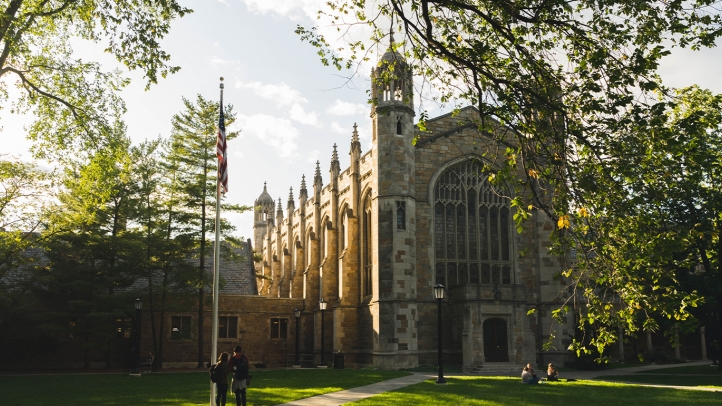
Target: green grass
column 697, row 369
column 510, row 391
column 659, row 379
column 267, row 387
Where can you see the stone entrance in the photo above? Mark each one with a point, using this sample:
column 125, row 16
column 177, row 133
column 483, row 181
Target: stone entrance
column 495, row 341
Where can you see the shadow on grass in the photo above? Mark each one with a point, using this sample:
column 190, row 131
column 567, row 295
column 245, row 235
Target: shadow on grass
column 177, row 389
column 660, row 379
column 510, row 391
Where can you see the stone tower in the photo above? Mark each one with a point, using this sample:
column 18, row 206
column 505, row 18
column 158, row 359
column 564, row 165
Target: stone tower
column 262, row 210
column 394, row 237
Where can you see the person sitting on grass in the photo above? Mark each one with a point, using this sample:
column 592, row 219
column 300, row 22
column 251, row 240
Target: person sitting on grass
column 528, row 378
column 552, row 373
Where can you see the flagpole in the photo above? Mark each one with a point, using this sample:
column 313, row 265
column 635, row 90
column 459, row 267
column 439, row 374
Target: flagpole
column 216, row 270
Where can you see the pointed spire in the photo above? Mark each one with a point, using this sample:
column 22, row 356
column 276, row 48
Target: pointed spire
column 290, row 199
column 317, row 179
column 303, row 193
column 279, row 210
column 335, row 165
column 354, row 137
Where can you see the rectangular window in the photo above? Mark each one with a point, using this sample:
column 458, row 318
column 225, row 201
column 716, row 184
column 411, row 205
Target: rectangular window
column 122, row 327
column 279, row 329
column 180, row 327
column 228, row 327
column 401, row 215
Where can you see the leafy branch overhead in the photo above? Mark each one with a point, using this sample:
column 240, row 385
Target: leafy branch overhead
column 591, row 128
column 74, row 101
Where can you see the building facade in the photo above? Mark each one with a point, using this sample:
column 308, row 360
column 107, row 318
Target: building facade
column 404, row 216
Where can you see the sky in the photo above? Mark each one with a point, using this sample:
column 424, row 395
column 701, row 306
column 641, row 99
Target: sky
column 291, row 109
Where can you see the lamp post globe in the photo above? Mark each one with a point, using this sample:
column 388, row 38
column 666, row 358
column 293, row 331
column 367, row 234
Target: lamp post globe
column 439, row 296
column 322, row 305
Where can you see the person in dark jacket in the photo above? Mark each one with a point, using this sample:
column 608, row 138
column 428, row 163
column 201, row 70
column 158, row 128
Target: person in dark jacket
column 222, row 384
column 239, row 368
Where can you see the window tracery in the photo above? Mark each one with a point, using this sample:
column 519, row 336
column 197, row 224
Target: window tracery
column 472, row 242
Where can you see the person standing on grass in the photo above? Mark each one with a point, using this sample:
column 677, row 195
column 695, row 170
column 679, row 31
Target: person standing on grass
column 222, row 384
column 239, row 367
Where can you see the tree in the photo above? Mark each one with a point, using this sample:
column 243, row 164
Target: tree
column 26, row 195
column 576, row 85
column 664, row 240
column 193, row 154
column 73, row 100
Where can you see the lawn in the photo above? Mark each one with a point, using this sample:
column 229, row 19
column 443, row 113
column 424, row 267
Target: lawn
column 695, row 369
column 510, row 391
column 176, row 389
column 678, row 380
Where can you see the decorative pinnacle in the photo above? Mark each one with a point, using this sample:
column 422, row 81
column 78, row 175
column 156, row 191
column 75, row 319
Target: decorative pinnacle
column 264, row 186
column 317, row 179
column 354, row 137
column 279, row 211
column 334, row 156
column 290, row 198
column 303, row 182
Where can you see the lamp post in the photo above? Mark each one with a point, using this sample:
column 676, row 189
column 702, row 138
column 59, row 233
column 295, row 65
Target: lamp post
column 297, row 313
column 138, row 312
column 322, row 306
column 439, row 295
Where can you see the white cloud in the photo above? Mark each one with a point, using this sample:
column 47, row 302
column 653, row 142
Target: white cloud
column 281, row 93
column 216, row 62
column 312, row 156
column 342, row 108
column 284, row 96
column 274, row 131
column 297, row 113
column 336, row 127
column 294, row 9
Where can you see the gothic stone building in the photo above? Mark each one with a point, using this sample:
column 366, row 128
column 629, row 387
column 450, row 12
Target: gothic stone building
column 375, row 239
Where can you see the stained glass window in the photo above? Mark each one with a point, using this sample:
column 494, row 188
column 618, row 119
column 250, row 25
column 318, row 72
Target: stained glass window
column 472, row 228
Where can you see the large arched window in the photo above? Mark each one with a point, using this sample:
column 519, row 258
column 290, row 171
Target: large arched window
column 367, row 247
column 472, row 241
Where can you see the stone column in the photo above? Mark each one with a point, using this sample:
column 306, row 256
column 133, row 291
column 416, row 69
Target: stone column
column 703, row 342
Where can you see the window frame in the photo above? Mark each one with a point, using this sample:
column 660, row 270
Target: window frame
column 228, row 323
column 282, row 328
column 460, row 193
column 184, row 324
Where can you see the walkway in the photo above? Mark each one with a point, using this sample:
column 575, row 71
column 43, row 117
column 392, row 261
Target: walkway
column 363, row 392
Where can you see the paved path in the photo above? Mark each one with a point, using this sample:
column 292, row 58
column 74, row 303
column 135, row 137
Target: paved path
column 363, row 392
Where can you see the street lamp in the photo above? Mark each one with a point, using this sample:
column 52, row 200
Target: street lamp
column 297, row 313
column 138, row 311
column 322, row 305
column 439, row 295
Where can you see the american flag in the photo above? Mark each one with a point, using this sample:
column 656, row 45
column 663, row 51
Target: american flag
column 221, row 152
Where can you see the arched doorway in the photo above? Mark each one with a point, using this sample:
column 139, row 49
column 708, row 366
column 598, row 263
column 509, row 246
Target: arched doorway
column 495, row 342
